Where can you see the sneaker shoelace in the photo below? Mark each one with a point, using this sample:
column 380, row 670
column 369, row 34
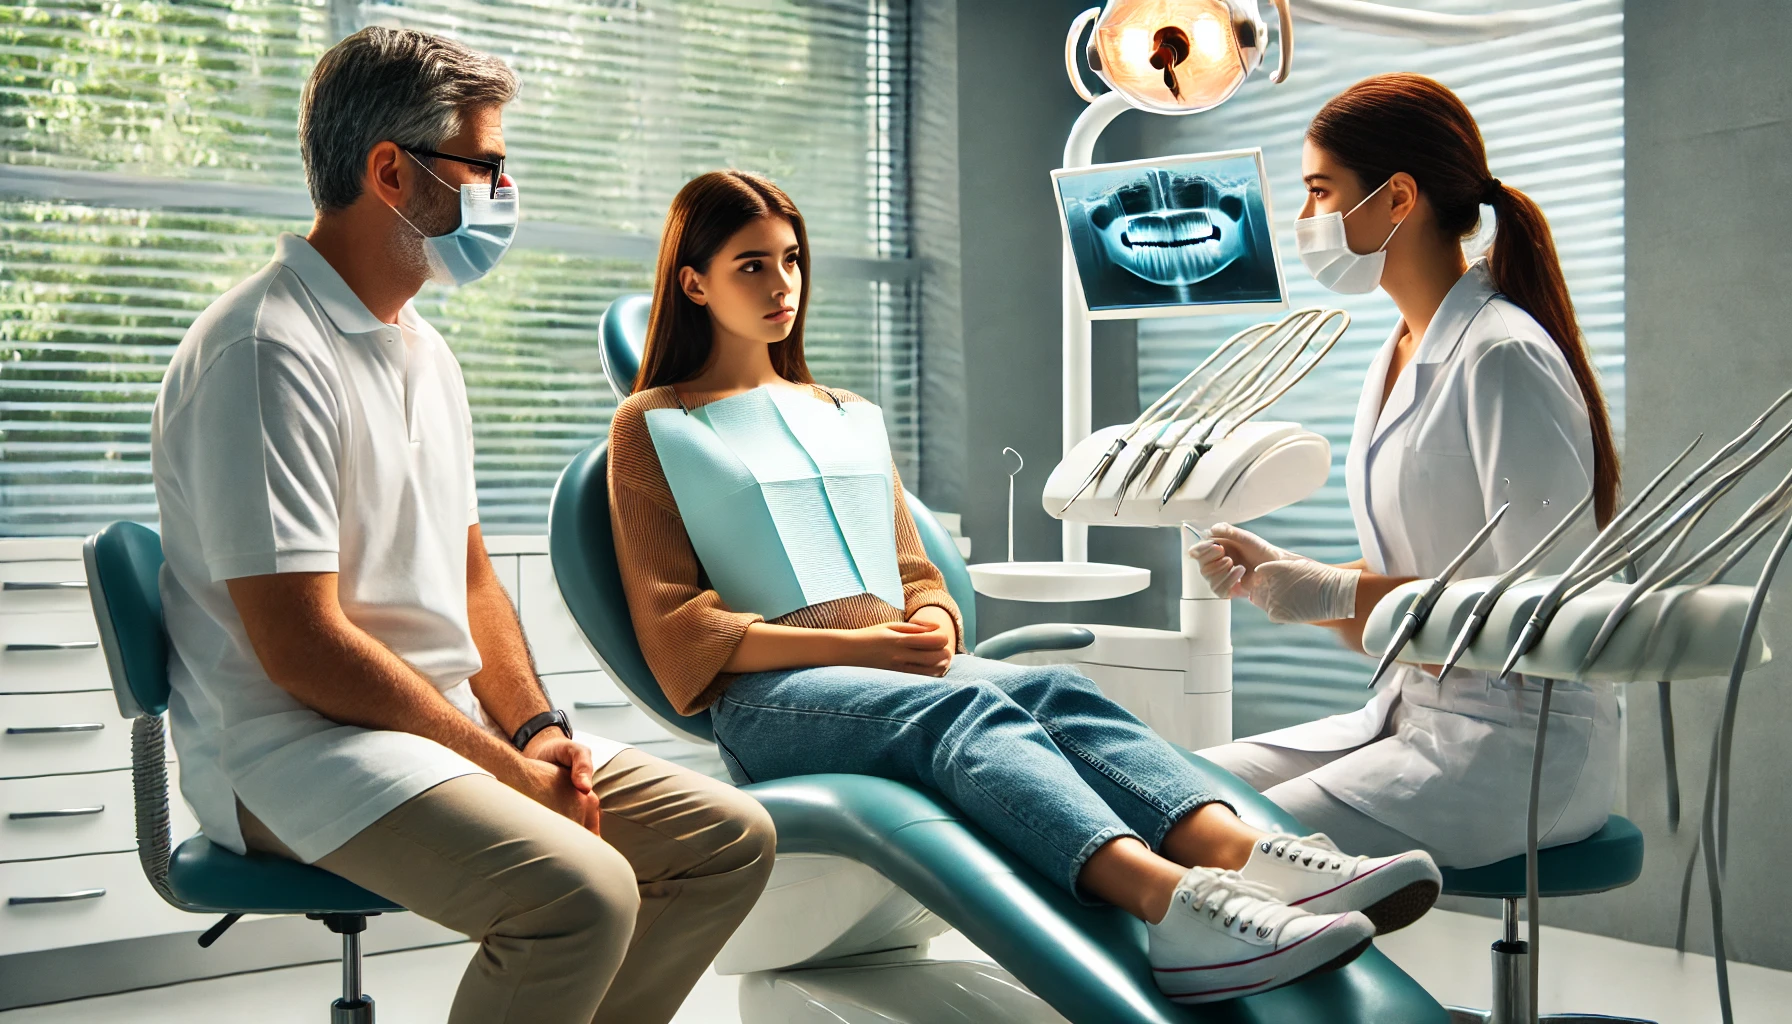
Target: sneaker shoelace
column 1237, row 904
column 1316, row 851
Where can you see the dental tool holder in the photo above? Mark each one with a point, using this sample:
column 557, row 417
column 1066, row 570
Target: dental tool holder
column 1259, row 467
column 1676, row 633
column 1177, row 681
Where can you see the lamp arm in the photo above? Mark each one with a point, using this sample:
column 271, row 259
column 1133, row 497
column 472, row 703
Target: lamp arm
column 1387, row 19
column 1072, row 66
column 1286, row 58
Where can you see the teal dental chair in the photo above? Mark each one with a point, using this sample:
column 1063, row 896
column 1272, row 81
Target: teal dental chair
column 123, row 562
column 817, row 932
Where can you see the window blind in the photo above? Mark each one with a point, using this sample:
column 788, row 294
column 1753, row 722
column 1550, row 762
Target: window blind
column 1550, row 105
column 150, row 158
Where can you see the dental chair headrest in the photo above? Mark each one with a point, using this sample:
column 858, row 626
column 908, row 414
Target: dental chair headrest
column 622, row 336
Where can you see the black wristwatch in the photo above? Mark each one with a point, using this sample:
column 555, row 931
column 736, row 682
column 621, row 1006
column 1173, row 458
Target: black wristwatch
column 555, row 718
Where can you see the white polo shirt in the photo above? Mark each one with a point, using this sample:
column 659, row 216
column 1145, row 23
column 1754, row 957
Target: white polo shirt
column 296, row 432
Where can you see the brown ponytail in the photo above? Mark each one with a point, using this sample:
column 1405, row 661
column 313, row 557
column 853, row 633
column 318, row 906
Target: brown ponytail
column 1405, row 122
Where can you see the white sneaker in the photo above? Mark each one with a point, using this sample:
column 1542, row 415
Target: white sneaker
column 1225, row 937
column 1309, row 872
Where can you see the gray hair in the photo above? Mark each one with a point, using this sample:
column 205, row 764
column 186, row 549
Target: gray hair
column 384, row 84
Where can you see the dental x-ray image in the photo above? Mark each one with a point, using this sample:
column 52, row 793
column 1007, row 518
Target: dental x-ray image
column 1172, row 236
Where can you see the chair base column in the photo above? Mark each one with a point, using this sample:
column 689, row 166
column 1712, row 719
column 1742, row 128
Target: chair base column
column 358, row 1012
column 355, row 1007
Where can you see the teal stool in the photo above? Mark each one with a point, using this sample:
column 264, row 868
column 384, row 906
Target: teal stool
column 1610, row 858
column 123, row 562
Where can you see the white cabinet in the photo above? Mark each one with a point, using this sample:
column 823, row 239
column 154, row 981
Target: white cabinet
column 71, row 901
column 74, row 815
column 59, row 733
column 68, row 868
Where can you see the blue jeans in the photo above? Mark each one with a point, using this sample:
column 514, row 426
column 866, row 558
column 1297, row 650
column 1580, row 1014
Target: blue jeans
column 1036, row 755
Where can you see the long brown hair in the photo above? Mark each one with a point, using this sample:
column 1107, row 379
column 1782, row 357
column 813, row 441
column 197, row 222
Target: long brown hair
column 704, row 215
column 1403, row 122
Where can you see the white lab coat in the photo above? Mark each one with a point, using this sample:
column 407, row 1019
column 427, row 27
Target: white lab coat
column 1485, row 413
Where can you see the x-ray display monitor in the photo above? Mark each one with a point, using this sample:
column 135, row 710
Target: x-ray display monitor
column 1172, row 236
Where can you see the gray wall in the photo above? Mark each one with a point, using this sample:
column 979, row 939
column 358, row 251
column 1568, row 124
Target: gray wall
column 998, row 382
column 1708, row 153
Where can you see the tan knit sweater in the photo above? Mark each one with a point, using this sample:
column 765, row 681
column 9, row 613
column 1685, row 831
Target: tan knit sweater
column 686, row 633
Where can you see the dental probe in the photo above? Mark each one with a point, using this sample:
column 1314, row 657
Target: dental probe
column 1302, row 327
column 1577, row 580
column 1145, row 463
column 1607, row 541
column 1146, row 417
column 1240, row 390
column 1617, row 534
column 1420, row 609
column 1202, row 447
column 1477, row 616
column 1651, row 581
column 1695, row 507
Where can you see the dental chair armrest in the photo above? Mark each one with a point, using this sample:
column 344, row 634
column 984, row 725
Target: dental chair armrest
column 1049, row 636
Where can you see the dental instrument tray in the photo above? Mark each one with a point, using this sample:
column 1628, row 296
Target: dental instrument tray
column 1676, row 633
column 1057, row 581
column 1259, row 468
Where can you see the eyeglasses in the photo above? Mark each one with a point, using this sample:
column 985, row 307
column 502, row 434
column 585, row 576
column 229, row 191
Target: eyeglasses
column 495, row 168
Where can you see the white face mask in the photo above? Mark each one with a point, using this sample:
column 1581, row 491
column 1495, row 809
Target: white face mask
column 1329, row 258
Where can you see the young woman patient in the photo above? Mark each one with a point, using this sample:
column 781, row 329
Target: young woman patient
column 775, row 577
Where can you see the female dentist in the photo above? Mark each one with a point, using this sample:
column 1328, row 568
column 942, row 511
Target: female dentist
column 1483, row 395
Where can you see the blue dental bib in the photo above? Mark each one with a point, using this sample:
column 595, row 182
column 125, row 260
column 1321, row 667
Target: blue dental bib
column 788, row 501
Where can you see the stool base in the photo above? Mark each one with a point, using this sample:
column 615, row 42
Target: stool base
column 1512, row 985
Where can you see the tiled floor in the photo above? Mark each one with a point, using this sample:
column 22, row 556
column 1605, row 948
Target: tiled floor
column 1446, row 952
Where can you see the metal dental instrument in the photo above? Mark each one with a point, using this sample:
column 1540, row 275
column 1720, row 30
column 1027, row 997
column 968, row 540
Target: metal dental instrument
column 1611, row 538
column 1011, row 476
column 1420, row 609
column 1695, row 508
column 1477, row 616
column 1148, row 417
column 1248, row 381
column 1203, row 445
column 1661, row 575
column 1293, row 322
column 1144, row 464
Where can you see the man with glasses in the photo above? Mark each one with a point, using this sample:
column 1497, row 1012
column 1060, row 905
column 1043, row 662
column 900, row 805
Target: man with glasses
column 351, row 685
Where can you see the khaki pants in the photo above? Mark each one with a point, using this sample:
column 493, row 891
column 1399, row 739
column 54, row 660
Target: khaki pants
column 572, row 928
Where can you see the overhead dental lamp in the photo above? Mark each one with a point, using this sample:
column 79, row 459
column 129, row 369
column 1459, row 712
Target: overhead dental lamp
column 1177, row 56
column 1164, row 57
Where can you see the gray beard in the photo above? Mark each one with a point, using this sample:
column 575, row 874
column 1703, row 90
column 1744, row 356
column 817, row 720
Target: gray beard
column 432, row 217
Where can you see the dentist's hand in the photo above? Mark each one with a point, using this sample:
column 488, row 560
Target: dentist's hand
column 1302, row 590
column 1229, row 555
column 922, row 648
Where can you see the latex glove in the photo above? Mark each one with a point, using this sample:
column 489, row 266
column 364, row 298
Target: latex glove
column 1228, row 554
column 1302, row 590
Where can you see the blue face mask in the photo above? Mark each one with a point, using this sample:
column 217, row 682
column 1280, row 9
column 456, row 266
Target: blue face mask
column 488, row 220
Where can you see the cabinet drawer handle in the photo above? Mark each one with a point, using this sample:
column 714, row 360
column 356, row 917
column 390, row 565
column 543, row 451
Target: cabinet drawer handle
column 73, row 645
column 18, row 585
column 65, row 812
column 593, row 705
column 67, row 897
column 39, row 730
